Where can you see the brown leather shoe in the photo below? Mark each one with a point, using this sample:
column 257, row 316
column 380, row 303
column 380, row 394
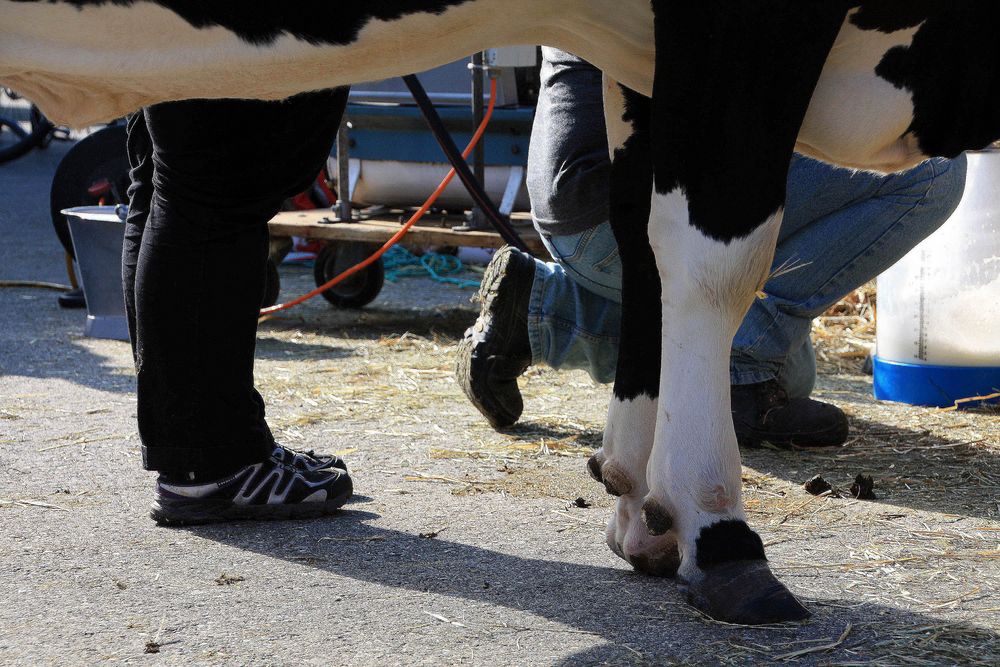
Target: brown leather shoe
column 495, row 351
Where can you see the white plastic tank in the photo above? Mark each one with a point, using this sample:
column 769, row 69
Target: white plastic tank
column 938, row 333
column 407, row 184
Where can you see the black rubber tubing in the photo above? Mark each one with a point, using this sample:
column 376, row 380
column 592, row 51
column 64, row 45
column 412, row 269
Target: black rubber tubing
column 454, row 155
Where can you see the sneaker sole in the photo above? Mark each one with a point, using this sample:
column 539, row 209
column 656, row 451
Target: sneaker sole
column 200, row 512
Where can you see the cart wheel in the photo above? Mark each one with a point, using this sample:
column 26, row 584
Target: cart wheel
column 357, row 290
column 272, row 284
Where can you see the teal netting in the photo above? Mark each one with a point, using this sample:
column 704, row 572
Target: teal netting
column 401, row 263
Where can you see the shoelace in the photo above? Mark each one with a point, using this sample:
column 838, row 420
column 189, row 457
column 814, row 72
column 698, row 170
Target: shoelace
column 309, row 462
column 309, row 457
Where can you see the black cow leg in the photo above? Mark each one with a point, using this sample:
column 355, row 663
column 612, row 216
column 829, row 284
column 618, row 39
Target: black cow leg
column 628, row 438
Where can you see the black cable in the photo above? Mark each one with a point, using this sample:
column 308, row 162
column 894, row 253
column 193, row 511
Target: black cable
column 454, row 155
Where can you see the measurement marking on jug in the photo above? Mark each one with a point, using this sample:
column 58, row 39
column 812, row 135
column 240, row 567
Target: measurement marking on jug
column 922, row 313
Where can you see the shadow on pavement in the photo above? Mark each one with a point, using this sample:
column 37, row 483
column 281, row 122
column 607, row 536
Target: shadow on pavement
column 642, row 620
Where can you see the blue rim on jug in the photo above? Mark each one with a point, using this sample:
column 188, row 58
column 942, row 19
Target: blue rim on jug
column 935, row 386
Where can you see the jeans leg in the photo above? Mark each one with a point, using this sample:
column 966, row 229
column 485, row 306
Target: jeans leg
column 798, row 375
column 846, row 227
column 568, row 165
column 574, row 314
column 220, row 171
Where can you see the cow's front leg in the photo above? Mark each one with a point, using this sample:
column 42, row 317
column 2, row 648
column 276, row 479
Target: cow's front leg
column 693, row 473
column 628, row 438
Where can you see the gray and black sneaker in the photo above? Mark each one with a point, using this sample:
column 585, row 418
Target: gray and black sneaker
column 495, row 351
column 272, row 489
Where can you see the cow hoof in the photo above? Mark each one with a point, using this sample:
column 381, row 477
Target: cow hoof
column 746, row 593
column 594, row 465
column 615, row 480
column 630, row 539
column 663, row 564
column 657, row 519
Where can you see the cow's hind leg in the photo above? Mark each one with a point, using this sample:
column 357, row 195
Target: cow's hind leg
column 621, row 463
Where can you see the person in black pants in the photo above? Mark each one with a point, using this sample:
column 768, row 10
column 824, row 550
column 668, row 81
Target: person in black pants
column 207, row 175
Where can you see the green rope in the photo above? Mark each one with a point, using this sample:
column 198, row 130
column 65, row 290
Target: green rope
column 401, row 263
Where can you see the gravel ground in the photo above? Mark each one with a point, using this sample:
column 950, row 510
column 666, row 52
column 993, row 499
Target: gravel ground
column 464, row 546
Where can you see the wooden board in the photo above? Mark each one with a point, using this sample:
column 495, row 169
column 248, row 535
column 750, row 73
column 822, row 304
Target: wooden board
column 432, row 230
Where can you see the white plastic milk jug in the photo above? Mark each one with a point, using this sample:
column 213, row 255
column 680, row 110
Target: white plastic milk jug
column 938, row 332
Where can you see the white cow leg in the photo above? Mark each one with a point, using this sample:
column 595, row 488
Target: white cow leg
column 621, row 465
column 693, row 471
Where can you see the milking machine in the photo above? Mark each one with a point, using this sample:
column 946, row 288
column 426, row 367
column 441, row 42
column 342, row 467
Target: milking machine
column 386, row 162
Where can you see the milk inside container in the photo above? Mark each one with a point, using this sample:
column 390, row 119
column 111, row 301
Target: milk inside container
column 938, row 333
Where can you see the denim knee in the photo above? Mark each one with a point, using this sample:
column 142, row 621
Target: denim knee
column 949, row 182
column 591, row 258
column 938, row 184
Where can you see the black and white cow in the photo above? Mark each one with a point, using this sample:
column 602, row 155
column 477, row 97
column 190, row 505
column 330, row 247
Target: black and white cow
column 724, row 91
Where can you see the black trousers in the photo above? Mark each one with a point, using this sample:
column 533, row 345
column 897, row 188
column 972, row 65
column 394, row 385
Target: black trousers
column 207, row 175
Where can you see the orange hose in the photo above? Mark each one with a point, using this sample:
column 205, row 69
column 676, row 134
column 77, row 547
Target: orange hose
column 406, row 227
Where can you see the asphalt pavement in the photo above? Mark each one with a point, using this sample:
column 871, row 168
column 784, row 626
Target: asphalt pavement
column 463, row 546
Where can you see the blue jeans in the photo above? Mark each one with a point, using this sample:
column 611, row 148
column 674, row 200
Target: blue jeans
column 846, row 227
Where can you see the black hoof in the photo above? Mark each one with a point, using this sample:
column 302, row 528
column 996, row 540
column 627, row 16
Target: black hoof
column 664, row 565
column 658, row 520
column 594, row 464
column 745, row 592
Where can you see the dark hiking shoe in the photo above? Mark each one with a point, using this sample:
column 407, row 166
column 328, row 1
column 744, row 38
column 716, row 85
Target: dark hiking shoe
column 763, row 412
column 495, row 351
column 310, row 460
column 263, row 491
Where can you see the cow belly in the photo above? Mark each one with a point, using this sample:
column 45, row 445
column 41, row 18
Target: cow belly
column 87, row 65
column 856, row 118
column 862, row 122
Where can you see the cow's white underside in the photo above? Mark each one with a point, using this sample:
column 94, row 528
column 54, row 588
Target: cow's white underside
column 856, row 119
column 84, row 66
column 99, row 63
